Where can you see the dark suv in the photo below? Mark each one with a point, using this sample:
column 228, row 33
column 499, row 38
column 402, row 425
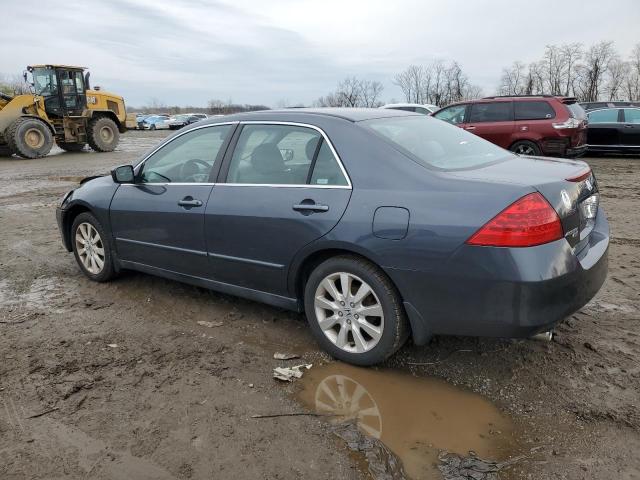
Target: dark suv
column 528, row 125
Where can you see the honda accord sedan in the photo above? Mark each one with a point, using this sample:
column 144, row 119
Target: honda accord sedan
column 379, row 224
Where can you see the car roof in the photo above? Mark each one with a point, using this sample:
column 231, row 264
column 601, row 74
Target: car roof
column 293, row 114
column 392, row 105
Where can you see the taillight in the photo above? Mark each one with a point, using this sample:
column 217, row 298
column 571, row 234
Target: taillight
column 570, row 123
column 526, row 222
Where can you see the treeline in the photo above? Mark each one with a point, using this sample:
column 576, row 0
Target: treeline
column 214, row 107
column 589, row 74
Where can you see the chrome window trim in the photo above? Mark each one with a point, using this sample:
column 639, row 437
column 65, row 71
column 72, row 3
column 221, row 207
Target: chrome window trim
column 349, row 185
column 297, row 185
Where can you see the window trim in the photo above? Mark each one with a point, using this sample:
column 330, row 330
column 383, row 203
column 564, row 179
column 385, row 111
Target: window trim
column 224, row 171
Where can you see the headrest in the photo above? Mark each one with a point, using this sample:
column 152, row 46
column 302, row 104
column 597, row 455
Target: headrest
column 266, row 158
column 310, row 149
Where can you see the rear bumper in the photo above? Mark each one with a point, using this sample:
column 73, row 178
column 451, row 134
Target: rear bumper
column 506, row 292
column 576, row 151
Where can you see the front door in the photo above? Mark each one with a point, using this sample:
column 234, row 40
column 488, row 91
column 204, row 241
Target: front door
column 630, row 131
column 159, row 220
column 284, row 188
column 72, row 90
column 604, row 127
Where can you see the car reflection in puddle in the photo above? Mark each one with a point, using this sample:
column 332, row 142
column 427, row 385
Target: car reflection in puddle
column 415, row 418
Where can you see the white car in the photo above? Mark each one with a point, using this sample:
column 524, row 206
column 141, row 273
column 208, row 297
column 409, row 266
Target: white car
column 425, row 109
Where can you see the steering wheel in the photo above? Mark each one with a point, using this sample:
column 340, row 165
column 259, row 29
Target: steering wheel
column 192, row 167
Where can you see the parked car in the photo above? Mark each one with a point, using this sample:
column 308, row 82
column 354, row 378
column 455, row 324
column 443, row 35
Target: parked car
column 614, row 130
column 527, row 125
column 199, row 116
column 140, row 121
column 588, row 106
column 156, row 122
column 425, row 109
column 179, row 121
column 379, row 224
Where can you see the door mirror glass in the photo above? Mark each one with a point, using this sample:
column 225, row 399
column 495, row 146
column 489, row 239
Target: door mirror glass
column 123, row 174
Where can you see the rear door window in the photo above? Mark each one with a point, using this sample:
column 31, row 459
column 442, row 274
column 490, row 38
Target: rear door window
column 609, row 115
column 533, row 110
column 632, row 115
column 491, row 112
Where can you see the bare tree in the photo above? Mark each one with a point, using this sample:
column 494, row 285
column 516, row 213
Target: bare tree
column 353, row 92
column 572, row 53
column 13, row 85
column 512, row 80
column 617, row 73
column 370, row 93
column 592, row 71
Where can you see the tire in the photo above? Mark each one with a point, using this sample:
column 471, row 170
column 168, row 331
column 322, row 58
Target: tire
column 391, row 328
column 526, row 147
column 103, row 134
column 71, row 147
column 87, row 223
column 29, row 137
column 152, row 127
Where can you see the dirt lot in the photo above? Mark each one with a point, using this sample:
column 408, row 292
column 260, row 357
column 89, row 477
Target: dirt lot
column 120, row 381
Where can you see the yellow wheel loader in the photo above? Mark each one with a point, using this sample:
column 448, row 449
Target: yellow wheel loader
column 62, row 108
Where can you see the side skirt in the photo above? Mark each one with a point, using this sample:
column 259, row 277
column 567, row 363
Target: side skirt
column 248, row 293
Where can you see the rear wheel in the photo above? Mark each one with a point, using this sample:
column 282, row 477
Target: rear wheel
column 91, row 248
column 525, row 147
column 354, row 311
column 71, row 147
column 29, row 137
column 103, row 134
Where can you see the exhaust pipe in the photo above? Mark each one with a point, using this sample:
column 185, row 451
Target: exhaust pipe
column 543, row 336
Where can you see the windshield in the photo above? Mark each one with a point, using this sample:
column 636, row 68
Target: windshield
column 45, row 82
column 434, row 143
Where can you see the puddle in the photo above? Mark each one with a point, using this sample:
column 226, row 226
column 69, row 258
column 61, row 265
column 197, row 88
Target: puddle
column 416, row 418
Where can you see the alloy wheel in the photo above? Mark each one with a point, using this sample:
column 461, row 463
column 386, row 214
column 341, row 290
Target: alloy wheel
column 525, row 150
column 349, row 312
column 90, row 248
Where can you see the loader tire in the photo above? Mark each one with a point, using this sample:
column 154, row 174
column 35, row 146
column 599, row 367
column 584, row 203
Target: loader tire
column 103, row 134
column 29, row 138
column 71, row 147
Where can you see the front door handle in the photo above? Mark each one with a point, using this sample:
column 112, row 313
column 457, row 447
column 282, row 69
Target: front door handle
column 628, row 126
column 308, row 206
column 189, row 202
column 470, row 128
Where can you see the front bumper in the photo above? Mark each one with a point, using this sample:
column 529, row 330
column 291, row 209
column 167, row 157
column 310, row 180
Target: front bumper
column 577, row 151
column 66, row 241
column 506, row 292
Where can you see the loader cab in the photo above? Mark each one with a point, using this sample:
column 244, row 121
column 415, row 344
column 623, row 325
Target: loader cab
column 62, row 87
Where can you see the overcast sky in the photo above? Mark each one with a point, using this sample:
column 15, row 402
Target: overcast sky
column 185, row 52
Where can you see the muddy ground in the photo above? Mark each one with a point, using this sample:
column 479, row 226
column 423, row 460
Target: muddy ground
column 119, row 380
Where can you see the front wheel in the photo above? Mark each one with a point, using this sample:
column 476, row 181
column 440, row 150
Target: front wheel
column 525, row 147
column 29, row 137
column 103, row 134
column 91, row 248
column 354, row 311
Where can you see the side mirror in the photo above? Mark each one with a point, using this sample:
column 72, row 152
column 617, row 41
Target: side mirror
column 123, row 174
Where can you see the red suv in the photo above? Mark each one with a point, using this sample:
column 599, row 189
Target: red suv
column 528, row 125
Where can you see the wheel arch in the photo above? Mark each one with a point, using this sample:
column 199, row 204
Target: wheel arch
column 420, row 331
column 111, row 115
column 67, row 221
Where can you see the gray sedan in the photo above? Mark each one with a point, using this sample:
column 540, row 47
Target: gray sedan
column 379, row 224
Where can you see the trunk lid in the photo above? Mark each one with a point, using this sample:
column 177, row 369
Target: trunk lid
column 569, row 186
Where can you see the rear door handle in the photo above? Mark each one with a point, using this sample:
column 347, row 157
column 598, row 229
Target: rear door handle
column 628, row 126
column 469, row 128
column 310, row 207
column 190, row 202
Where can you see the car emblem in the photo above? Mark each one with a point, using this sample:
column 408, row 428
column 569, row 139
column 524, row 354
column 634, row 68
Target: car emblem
column 565, row 198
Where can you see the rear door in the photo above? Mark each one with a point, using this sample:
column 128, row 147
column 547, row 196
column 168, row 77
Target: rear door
column 630, row 131
column 159, row 220
column 492, row 121
column 282, row 187
column 604, row 127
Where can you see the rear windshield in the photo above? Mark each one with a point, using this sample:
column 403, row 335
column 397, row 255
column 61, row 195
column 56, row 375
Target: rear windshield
column 576, row 111
column 435, row 143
